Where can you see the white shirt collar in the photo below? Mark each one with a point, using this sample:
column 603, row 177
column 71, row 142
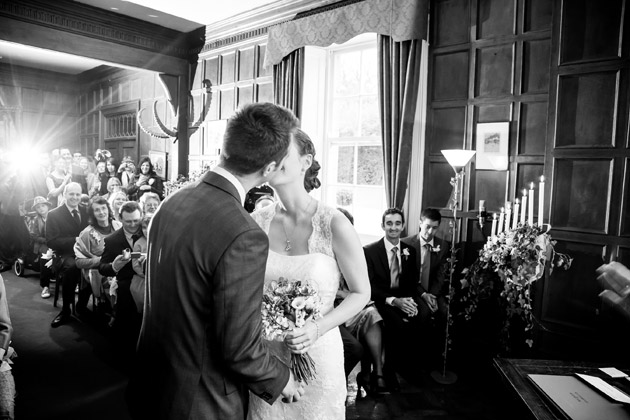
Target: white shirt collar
column 233, row 180
column 423, row 242
column 389, row 246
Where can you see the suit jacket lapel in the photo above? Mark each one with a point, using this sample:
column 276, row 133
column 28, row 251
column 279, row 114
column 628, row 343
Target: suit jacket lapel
column 383, row 258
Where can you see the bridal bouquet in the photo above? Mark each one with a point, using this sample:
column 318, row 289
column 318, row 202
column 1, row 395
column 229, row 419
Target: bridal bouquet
column 287, row 305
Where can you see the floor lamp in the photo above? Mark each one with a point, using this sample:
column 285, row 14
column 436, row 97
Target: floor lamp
column 458, row 159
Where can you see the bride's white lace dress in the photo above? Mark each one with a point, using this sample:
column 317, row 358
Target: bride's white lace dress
column 324, row 397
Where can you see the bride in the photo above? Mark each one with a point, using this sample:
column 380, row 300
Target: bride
column 311, row 241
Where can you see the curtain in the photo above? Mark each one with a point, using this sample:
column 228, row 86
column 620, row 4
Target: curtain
column 399, row 76
column 288, row 78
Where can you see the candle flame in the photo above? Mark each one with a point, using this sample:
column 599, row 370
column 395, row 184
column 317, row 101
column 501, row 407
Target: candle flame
column 542, row 178
column 524, row 192
column 502, row 209
column 531, row 186
column 516, row 201
column 494, row 216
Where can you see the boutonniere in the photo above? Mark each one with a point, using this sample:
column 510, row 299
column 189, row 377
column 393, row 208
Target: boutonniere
column 405, row 252
column 435, row 249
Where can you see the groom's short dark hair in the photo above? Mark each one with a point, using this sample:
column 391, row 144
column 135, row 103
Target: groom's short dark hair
column 257, row 135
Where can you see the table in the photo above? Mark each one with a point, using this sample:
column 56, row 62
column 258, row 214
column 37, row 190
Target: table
column 514, row 373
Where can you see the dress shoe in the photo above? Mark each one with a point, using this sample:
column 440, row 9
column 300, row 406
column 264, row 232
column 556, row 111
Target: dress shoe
column 60, row 319
column 378, row 384
column 363, row 382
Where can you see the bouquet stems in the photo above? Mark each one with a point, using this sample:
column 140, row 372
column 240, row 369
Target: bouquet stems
column 303, row 367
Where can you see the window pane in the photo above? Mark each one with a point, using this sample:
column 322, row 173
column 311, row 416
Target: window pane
column 369, row 72
column 370, row 124
column 345, row 164
column 345, row 118
column 370, row 165
column 347, row 77
column 343, row 198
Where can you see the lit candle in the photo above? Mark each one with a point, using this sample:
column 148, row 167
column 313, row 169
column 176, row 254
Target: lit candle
column 501, row 220
column 541, row 200
column 493, row 232
column 482, row 206
column 530, row 206
column 515, row 219
column 523, row 206
column 508, row 213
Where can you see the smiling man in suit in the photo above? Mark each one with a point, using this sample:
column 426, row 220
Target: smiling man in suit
column 63, row 225
column 393, row 272
column 200, row 350
column 116, row 262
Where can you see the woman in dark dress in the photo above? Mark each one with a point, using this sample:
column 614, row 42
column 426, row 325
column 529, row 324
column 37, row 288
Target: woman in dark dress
column 146, row 180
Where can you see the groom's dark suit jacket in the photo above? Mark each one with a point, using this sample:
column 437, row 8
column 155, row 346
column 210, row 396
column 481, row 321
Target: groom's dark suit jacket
column 437, row 271
column 200, row 346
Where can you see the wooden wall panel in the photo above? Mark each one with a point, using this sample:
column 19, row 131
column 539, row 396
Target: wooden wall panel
column 450, row 76
column 536, row 60
column 265, row 92
column 440, row 174
column 227, row 104
column 228, row 67
column 261, row 70
column 493, row 113
column 532, row 128
column 245, row 95
column 494, row 75
column 623, row 255
column 448, row 125
column 490, row 186
column 590, row 30
column 211, row 70
column 452, row 22
column 246, row 63
column 526, row 173
column 583, row 198
column 586, row 109
column 495, row 18
column 624, row 229
column 538, row 15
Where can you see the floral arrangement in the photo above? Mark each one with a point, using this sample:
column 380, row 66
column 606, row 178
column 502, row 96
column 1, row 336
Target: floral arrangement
column 171, row 187
column 287, row 305
column 507, row 266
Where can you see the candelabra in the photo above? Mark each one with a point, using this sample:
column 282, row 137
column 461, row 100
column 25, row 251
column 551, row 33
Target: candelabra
column 458, row 159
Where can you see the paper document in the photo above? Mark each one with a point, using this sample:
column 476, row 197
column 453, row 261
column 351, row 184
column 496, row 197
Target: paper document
column 606, row 388
column 614, row 372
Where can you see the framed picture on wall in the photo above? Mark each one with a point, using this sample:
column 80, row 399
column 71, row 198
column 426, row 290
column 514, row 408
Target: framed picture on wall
column 492, row 145
column 160, row 163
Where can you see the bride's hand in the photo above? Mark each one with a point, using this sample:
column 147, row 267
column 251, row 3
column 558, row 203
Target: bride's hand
column 300, row 340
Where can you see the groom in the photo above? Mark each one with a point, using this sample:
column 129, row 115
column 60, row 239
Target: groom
column 200, row 349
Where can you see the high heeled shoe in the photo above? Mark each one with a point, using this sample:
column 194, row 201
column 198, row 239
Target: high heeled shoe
column 363, row 382
column 378, row 384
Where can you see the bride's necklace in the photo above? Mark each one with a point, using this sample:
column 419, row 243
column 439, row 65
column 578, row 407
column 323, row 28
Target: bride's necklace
column 287, row 247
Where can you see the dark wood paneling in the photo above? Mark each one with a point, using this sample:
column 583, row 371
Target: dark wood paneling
column 493, row 113
column 440, row 175
column 583, row 198
column 491, row 186
column 590, row 30
column 526, row 173
column 570, row 299
column 10, row 95
column 448, row 125
column 211, row 70
column 246, row 63
column 262, row 72
column 586, row 109
column 532, row 128
column 624, row 229
column 536, row 59
column 494, row 71
column 538, row 15
column 228, row 67
column 495, row 18
column 450, row 76
column 452, row 24
column 623, row 255
column 265, row 92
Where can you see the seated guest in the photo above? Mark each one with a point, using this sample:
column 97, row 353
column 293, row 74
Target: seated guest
column 63, row 225
column 90, row 244
column 149, row 202
column 113, row 186
column 37, row 231
column 146, row 180
column 393, row 276
column 116, row 262
column 116, row 200
column 56, row 181
column 111, row 167
column 7, row 384
column 138, row 281
column 99, row 183
column 127, row 172
column 366, row 327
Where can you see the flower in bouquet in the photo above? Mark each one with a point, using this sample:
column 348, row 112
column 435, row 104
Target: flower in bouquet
column 287, row 305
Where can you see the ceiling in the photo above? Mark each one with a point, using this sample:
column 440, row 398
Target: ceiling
column 181, row 15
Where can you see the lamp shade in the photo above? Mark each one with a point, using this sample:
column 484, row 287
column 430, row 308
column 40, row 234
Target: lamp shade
column 458, row 158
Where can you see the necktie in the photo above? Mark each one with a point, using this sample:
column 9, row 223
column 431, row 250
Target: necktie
column 76, row 217
column 135, row 237
column 426, row 266
column 394, row 268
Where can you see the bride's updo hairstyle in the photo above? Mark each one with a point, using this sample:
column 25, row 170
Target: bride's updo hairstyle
column 305, row 147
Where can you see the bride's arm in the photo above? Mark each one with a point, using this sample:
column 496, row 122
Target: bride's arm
column 351, row 259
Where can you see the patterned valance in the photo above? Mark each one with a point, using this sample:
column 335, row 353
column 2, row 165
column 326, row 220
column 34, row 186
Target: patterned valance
column 401, row 19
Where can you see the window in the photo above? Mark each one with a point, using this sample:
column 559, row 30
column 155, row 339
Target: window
column 350, row 148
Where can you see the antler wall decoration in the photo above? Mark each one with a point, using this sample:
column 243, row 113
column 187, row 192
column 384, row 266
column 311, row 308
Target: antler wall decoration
column 166, row 133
